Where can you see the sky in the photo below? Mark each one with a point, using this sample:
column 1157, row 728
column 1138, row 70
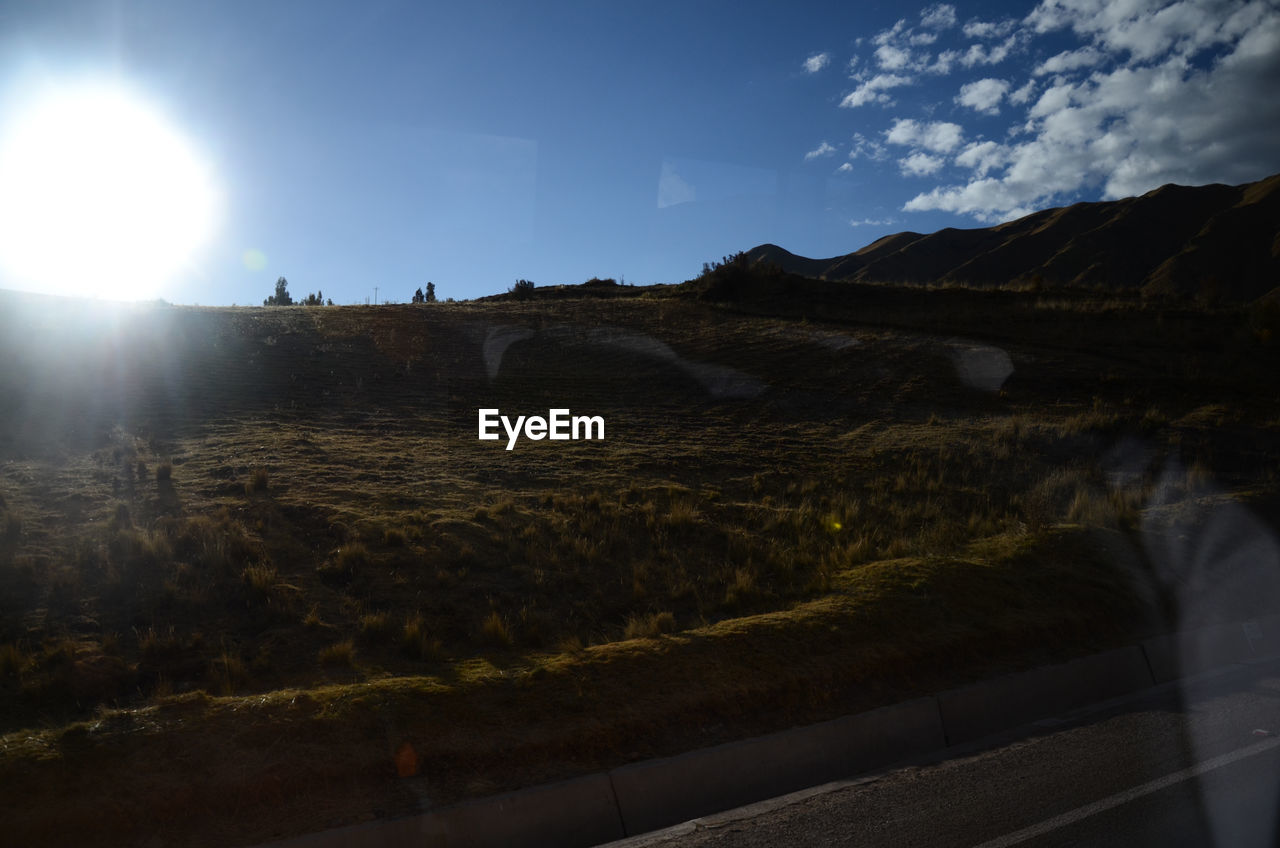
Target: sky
column 364, row 149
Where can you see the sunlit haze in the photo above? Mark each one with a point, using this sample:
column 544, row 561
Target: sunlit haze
column 364, row 150
column 98, row 195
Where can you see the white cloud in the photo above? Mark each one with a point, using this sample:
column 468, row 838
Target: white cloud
column 1146, row 29
column 983, row 95
column 816, row 62
column 989, row 29
column 844, row 169
column 902, row 51
column 920, row 164
column 821, row 150
column 1023, row 94
column 1121, row 97
column 938, row 16
column 983, row 156
column 872, row 222
column 938, row 136
column 1069, row 60
column 888, row 36
column 866, row 148
column 989, row 200
column 892, row 58
column 873, row 90
column 977, row 54
column 1152, row 119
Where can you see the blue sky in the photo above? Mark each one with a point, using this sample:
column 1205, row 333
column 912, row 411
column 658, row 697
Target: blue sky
column 470, row 144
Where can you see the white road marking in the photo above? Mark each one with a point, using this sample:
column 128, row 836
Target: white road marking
column 1049, row 825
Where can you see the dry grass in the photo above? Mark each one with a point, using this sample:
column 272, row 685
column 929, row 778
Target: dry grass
column 339, row 654
column 868, row 523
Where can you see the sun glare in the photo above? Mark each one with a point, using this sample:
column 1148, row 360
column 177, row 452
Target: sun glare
column 99, row 195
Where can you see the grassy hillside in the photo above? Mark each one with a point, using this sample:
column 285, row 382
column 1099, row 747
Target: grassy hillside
column 1210, row 243
column 255, row 563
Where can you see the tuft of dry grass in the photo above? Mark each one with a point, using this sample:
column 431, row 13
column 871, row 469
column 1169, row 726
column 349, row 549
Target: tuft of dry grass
column 13, row 660
column 261, row 580
column 494, row 631
column 417, row 642
column 377, row 627
column 258, row 482
column 339, row 654
column 650, row 625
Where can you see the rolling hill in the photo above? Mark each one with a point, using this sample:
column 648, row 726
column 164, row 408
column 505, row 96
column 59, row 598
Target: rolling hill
column 1213, row 241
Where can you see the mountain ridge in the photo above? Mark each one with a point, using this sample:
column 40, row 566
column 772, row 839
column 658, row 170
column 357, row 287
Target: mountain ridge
column 1213, row 241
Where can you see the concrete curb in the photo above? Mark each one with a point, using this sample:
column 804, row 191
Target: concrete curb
column 1192, row 651
column 984, row 708
column 582, row 811
column 644, row 797
column 658, row 793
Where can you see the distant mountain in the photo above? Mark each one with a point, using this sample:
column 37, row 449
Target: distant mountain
column 1213, row 240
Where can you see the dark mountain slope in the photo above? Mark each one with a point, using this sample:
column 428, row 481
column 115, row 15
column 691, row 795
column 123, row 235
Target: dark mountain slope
column 1212, row 241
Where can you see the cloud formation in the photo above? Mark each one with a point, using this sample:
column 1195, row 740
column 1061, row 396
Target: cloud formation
column 874, row 90
column 938, row 16
column 823, row 149
column 938, row 136
column 816, row 62
column 1158, row 92
column 984, row 95
column 866, row 148
column 1079, row 99
column 920, row 164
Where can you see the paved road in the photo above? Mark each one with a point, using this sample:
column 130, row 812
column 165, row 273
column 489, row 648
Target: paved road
column 1194, row 764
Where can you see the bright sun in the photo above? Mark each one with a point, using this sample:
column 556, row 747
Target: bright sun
column 98, row 195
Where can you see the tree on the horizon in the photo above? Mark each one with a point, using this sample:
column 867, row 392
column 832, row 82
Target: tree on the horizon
column 430, row 296
column 281, row 297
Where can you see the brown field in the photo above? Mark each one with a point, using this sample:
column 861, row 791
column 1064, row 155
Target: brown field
column 246, row 554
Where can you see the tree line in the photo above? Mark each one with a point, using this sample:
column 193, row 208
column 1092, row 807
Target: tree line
column 283, row 298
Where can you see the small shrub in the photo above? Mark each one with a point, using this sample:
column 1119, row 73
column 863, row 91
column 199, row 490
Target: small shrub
column 228, row 672
column 13, row 660
column 312, row 619
column 377, row 627
column 495, row 632
column 741, row 588
column 1152, row 420
column 650, row 626
column 523, row 289
column 345, row 562
column 417, row 643
column 1264, row 320
column 258, row 481
column 340, row 653
column 261, row 580
column 162, row 646
column 570, row 644
column 122, row 520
